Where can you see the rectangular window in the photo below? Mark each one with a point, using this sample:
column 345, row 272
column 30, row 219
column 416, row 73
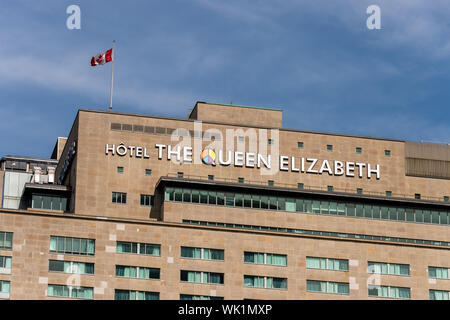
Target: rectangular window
column 270, row 183
column 137, row 272
column 4, row 289
column 180, row 175
column 270, row 142
column 119, row 169
column 358, row 150
column 55, row 290
column 330, row 188
column 388, row 268
column 265, row 258
column 210, row 177
column 138, row 248
column 439, row 295
column 359, row 191
column 48, row 202
column 446, row 198
column 6, row 240
column 146, row 200
column 241, row 139
column 327, row 263
column 197, row 297
column 299, row 144
column 300, row 186
column 202, row 277
column 70, row 267
column 387, row 153
column 388, row 193
column 202, row 253
column 265, row 282
column 135, row 295
column 438, row 273
column 5, row 265
column 389, row 292
column 67, row 245
column 148, row 172
column 329, row 147
column 240, row 180
column 327, row 287
column 119, row 197
column 417, row 196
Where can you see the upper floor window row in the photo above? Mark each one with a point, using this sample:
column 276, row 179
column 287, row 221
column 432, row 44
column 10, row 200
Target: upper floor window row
column 305, row 205
column 68, row 245
column 265, row 258
column 327, row 264
column 388, row 268
column 138, row 248
column 202, row 253
column 438, row 273
column 6, row 240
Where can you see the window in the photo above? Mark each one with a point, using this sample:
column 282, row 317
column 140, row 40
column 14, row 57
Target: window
column 329, row 147
column 196, row 297
column 388, row 268
column 180, row 175
column 202, row 277
column 135, row 295
column 48, row 202
column 265, row 258
column 359, row 191
column 119, row 197
column 241, row 139
column 326, row 263
column 438, row 273
column 240, row 180
column 417, row 196
column 210, row 177
column 137, row 272
column 270, row 183
column 389, row 292
column 119, row 169
column 265, row 282
column 71, row 267
column 358, row 150
column 439, row 295
column 148, row 172
column 327, row 287
column 4, row 289
column 299, row 144
column 300, row 186
column 446, row 198
column 68, row 245
column 55, row 290
column 138, row 248
column 388, row 193
column 202, row 253
column 147, row 200
column 301, row 203
column 6, row 240
column 5, row 265
column 387, row 153
column 270, row 141
column 330, row 188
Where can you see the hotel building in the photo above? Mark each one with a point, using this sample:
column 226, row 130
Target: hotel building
column 226, row 204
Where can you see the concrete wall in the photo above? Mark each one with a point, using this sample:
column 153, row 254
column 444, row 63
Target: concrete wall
column 30, row 258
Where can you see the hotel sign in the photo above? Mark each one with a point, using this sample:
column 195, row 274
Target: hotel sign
column 251, row 160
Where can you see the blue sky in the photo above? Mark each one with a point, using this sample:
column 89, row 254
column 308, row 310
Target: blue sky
column 314, row 59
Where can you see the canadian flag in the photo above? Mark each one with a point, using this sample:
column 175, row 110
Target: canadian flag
column 102, row 58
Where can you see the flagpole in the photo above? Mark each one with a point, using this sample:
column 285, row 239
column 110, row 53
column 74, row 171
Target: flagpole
column 112, row 75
